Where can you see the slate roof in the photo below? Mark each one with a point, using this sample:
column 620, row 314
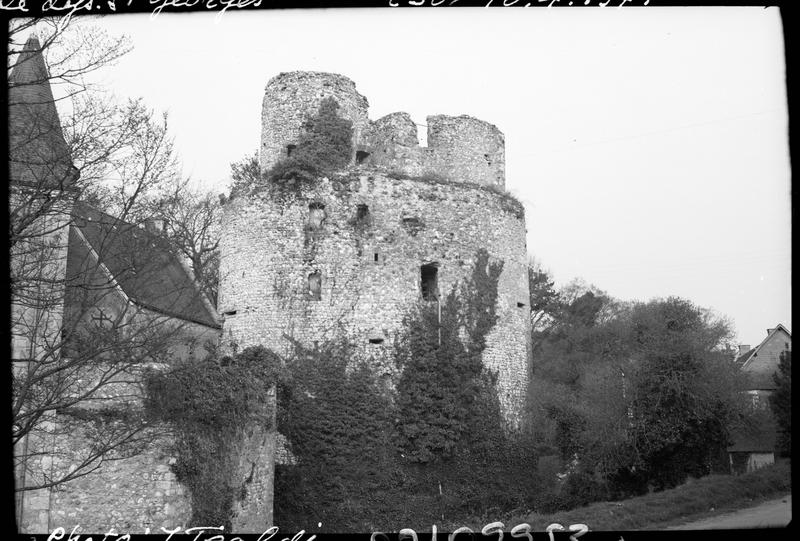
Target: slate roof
column 143, row 264
column 38, row 153
column 741, row 359
column 759, row 380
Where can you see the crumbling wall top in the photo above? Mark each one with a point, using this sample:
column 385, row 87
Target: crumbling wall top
column 460, row 148
column 397, row 128
column 300, row 80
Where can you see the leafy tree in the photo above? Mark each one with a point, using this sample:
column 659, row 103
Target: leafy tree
column 643, row 394
column 781, row 402
column 574, row 337
column 684, row 391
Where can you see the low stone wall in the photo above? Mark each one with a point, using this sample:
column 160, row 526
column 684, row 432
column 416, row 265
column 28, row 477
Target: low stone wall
column 128, row 495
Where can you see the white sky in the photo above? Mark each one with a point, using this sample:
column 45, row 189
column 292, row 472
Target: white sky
column 649, row 145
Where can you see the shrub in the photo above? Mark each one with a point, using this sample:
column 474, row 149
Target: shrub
column 209, row 405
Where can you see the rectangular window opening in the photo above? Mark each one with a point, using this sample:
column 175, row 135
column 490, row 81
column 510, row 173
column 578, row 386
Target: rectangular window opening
column 429, row 282
column 315, row 286
column 290, row 149
column 362, row 213
column 376, row 257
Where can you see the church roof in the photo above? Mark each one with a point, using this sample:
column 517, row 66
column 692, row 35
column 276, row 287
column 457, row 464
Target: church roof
column 143, row 264
column 38, row 153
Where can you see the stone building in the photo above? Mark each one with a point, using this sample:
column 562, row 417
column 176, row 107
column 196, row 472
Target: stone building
column 85, row 283
column 353, row 253
column 401, row 224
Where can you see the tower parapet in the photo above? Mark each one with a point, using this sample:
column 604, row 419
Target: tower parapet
column 291, row 97
column 460, row 148
column 393, row 145
column 467, row 149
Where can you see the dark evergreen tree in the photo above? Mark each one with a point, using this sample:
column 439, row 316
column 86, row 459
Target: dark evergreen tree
column 781, row 403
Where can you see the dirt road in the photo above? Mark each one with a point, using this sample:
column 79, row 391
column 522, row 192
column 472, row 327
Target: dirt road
column 773, row 513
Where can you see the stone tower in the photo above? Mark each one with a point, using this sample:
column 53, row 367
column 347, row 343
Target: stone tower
column 354, row 252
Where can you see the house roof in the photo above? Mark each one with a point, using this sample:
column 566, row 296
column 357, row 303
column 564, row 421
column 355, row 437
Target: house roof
column 144, row 266
column 38, row 153
column 759, row 379
column 743, row 358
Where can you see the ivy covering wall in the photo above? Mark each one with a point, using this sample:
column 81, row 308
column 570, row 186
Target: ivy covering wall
column 374, row 456
column 208, row 406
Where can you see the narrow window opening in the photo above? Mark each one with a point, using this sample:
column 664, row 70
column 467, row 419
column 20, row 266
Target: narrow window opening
column 429, row 282
column 315, row 286
column 290, row 149
column 362, row 213
column 520, row 305
column 361, row 156
column 316, row 215
column 376, row 340
column 376, row 257
column 229, row 313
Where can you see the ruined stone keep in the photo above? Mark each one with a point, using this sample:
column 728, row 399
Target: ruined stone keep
column 353, row 253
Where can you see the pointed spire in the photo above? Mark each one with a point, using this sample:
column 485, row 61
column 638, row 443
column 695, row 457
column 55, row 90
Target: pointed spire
column 38, row 152
column 30, row 67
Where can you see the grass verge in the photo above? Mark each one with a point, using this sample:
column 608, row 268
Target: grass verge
column 658, row 508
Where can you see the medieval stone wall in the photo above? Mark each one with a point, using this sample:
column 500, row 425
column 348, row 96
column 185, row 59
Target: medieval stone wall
column 365, row 236
column 467, row 148
column 137, row 493
column 290, row 97
column 460, row 148
column 132, row 493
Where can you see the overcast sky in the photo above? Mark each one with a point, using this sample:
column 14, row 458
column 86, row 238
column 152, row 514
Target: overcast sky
column 649, row 145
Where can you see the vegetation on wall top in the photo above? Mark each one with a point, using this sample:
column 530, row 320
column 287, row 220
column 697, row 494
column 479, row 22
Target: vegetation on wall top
column 325, row 145
column 210, row 405
column 509, row 203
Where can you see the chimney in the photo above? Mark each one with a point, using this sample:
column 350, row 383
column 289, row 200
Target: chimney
column 743, row 348
column 155, row 225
